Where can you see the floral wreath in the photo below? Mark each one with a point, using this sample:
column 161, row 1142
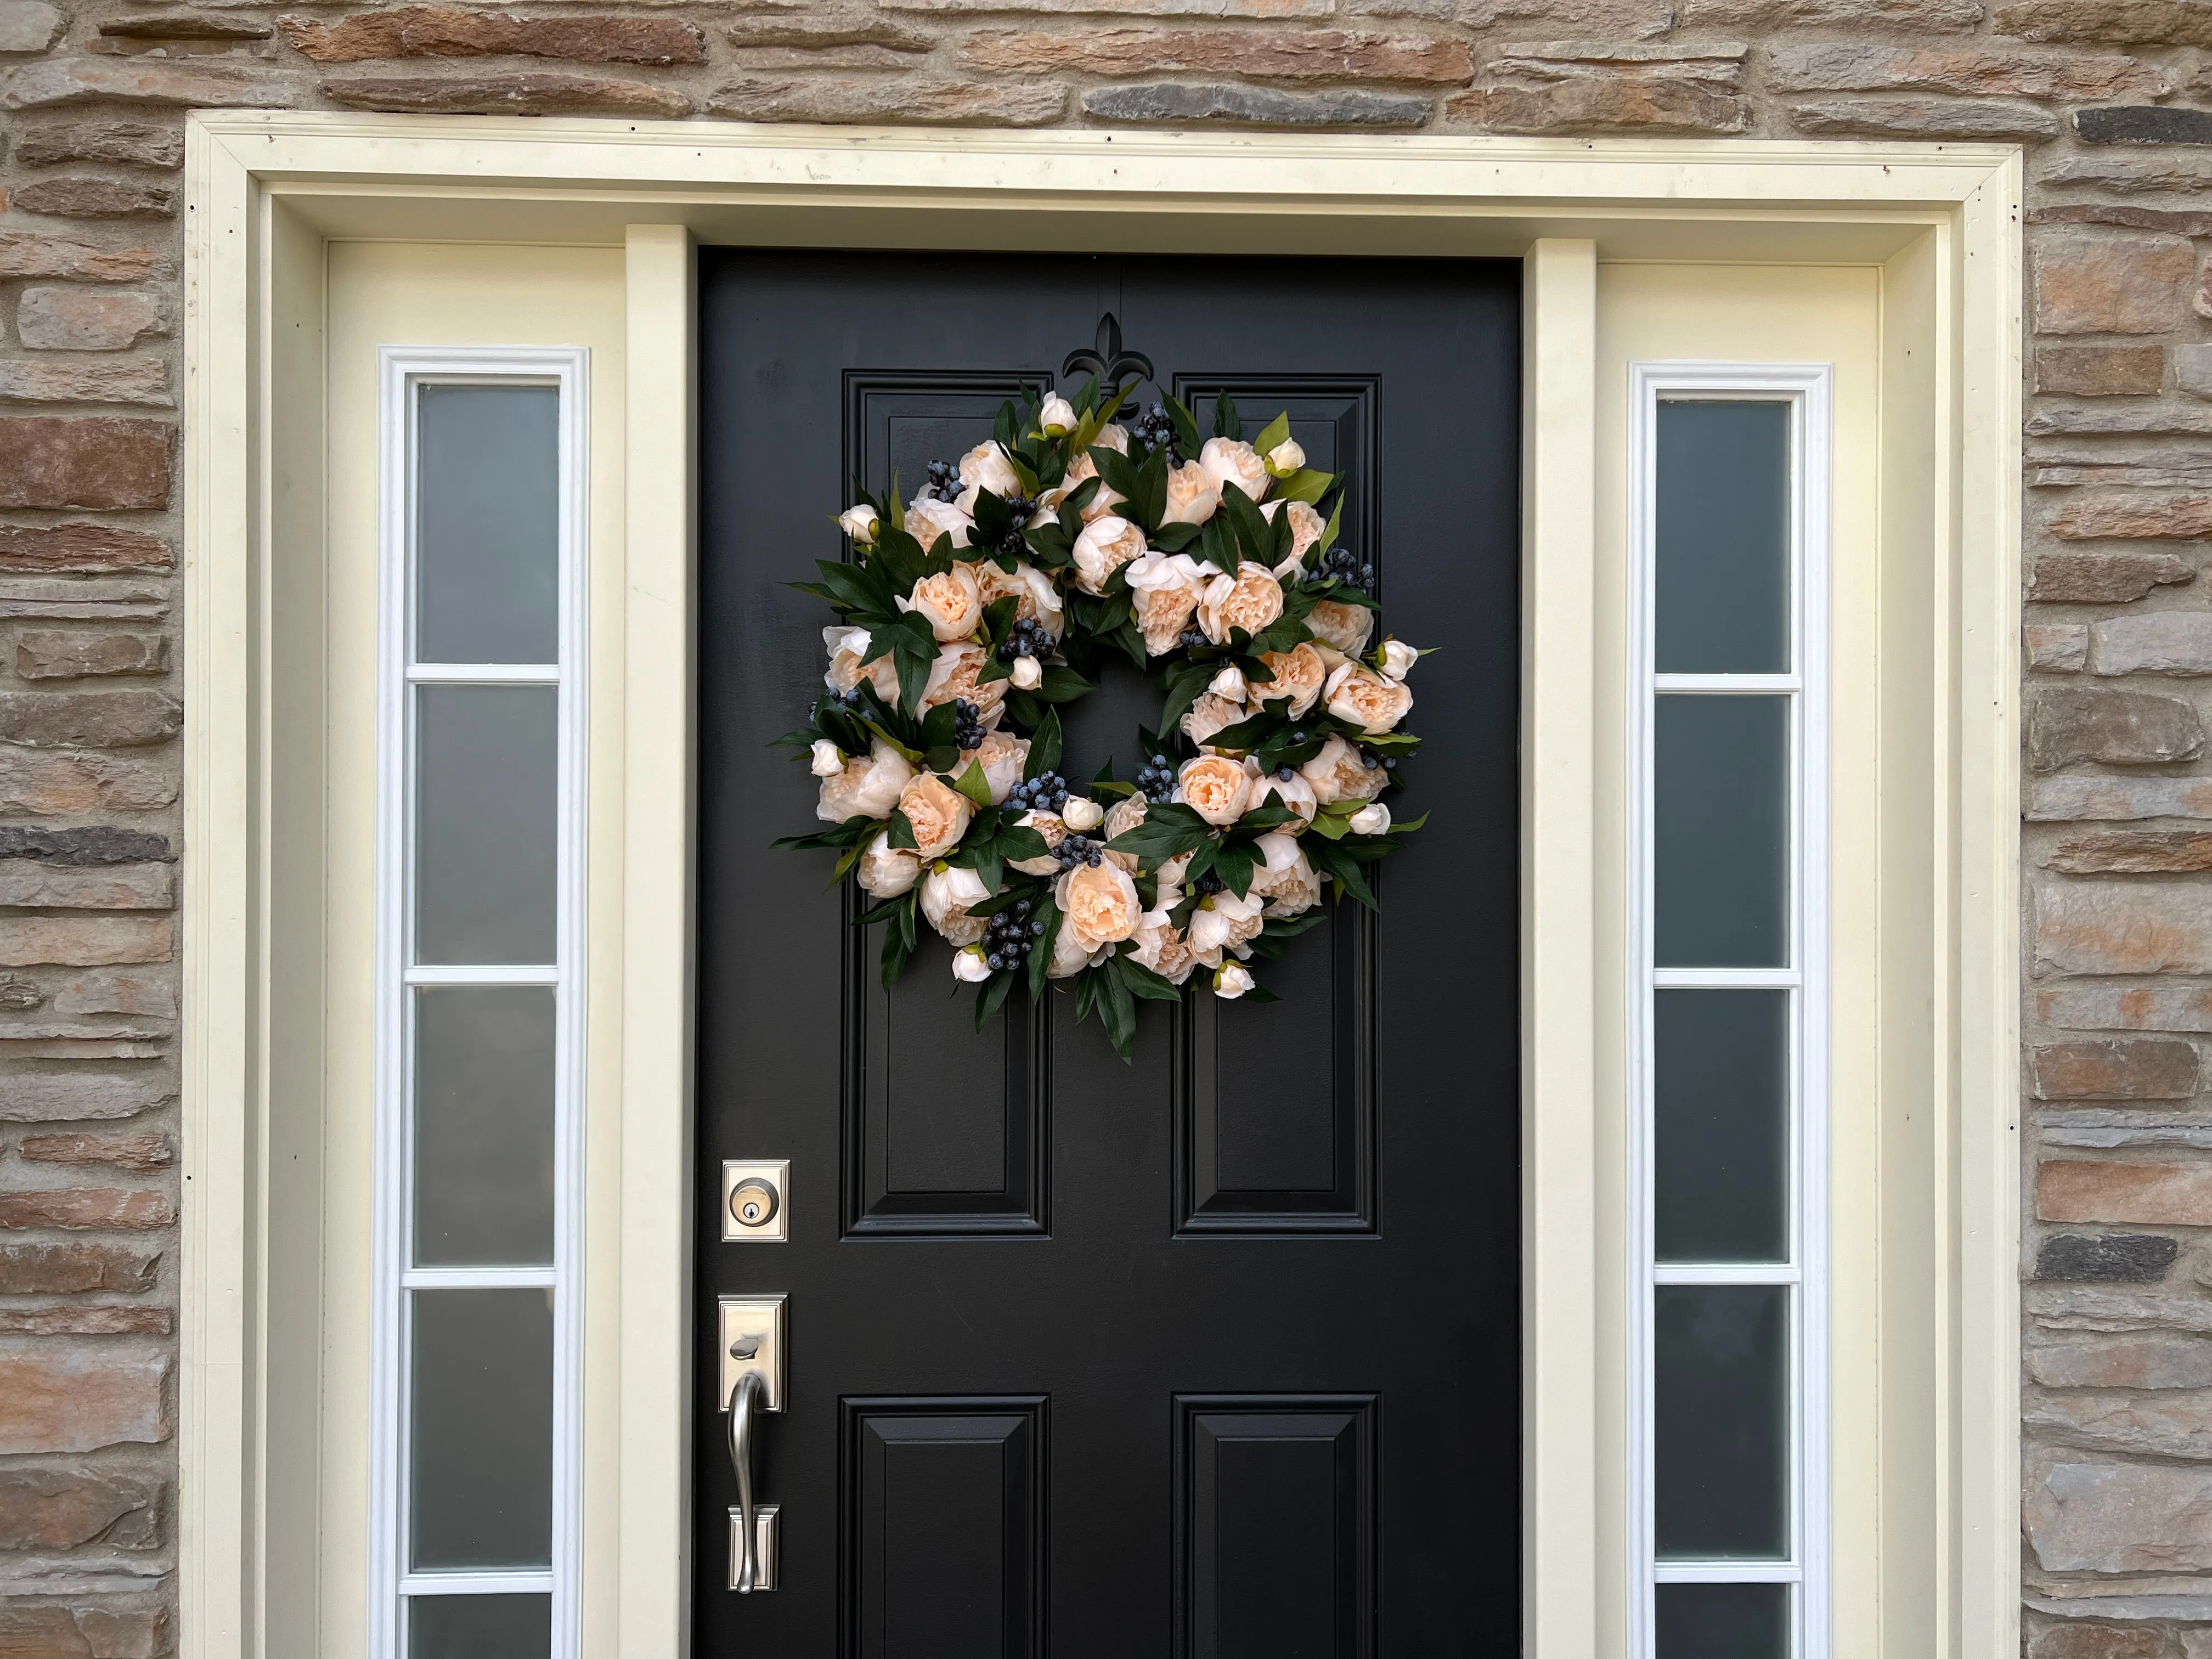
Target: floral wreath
column 969, row 613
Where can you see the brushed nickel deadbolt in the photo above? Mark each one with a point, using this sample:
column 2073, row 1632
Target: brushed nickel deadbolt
column 753, row 1201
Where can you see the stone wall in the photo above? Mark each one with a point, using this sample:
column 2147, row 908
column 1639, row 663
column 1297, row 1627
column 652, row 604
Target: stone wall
column 2113, row 98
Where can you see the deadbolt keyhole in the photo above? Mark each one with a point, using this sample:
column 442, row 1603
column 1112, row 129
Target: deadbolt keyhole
column 753, row 1202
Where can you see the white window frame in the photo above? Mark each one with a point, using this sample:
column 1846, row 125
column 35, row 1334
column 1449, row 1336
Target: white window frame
column 402, row 372
column 1807, row 388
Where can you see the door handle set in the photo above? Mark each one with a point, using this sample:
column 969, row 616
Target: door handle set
column 752, row 1332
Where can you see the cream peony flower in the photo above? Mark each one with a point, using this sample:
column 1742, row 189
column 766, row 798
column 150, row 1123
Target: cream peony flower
column 1299, row 673
column 1128, row 812
column 1098, row 904
column 1287, row 880
column 1364, row 698
column 847, row 645
column 953, row 677
column 1306, row 526
column 1344, row 626
column 1026, row 675
column 1105, row 545
column 1372, row 819
column 1164, row 590
column 1231, row 461
column 1162, row 947
column 1070, row 955
column 1224, row 922
column 1230, row 683
column 951, row 600
column 1215, row 788
column 1398, row 658
column 1208, row 715
column 986, row 467
column 938, row 813
column 946, row 895
column 1048, row 825
column 1341, row 772
column 859, row 523
column 887, row 870
column 1002, row 757
column 1250, row 599
column 1285, row 457
column 1170, row 875
column 1192, row 498
column 1035, row 598
column 970, row 965
column 1231, row 980
column 1113, row 437
column 927, row 520
column 1294, row 792
column 829, row 759
column 1057, row 418
column 865, row 787
column 1081, row 814
column 1103, row 500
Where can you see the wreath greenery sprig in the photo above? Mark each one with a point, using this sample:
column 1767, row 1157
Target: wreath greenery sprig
column 967, row 614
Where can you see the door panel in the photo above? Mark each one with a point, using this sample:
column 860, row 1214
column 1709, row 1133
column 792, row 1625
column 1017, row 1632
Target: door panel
column 1260, row 1285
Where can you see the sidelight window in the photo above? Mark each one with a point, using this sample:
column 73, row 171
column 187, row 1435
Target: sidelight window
column 1728, row 1054
column 479, row 960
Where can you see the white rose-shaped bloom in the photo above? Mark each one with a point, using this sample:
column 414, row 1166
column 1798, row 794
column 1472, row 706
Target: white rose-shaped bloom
column 1231, row 980
column 1294, row 792
column 1057, row 418
column 951, row 601
column 1251, row 600
column 986, row 467
column 1048, row 825
column 1362, row 697
column 1113, row 437
column 887, row 870
column 927, row 519
column 1287, row 879
column 1341, row 772
column 865, row 787
column 1372, row 819
column 1081, row 814
column 1299, row 673
column 947, row 893
column 1170, row 875
column 1128, row 812
column 939, row 813
column 1215, row 788
column 970, row 965
column 1098, row 904
column 1208, row 715
column 1070, row 955
column 956, row 677
column 1106, row 544
column 1285, row 457
column 1344, row 626
column 1164, row 592
column 1398, row 658
column 1230, row 683
column 1027, row 674
column 1232, row 462
column 1306, row 526
column 1002, row 757
column 1193, row 497
column 859, row 523
column 1223, row 922
column 847, row 645
column 829, row 759
column 1036, row 600
column 1103, row 500
column 1162, row 947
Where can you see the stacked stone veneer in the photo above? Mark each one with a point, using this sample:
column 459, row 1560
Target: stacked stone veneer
column 2113, row 98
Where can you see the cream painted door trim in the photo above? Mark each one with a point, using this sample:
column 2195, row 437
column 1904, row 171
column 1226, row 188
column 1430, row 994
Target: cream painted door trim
column 264, row 189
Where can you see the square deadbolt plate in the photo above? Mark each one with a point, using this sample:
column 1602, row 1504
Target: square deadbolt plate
column 765, row 1531
column 752, row 1339
column 774, row 1174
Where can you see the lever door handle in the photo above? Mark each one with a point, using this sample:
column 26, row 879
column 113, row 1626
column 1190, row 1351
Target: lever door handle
column 745, row 1401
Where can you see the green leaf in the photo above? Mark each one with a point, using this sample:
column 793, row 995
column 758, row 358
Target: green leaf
column 1041, row 945
column 1256, row 537
column 1018, row 845
column 1174, row 538
column 991, row 996
column 1186, row 426
column 1166, row 831
column 1117, row 1009
column 1060, row 685
column 1146, row 983
column 1184, row 686
column 973, row 784
column 902, row 831
column 1226, row 421
column 1235, row 863
column 1150, row 498
column 987, row 866
column 1306, row 484
column 1274, row 433
column 897, row 947
column 1409, row 825
column 1045, row 747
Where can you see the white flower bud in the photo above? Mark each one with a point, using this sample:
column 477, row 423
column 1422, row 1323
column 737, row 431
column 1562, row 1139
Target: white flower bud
column 1285, row 457
column 1372, row 819
column 1027, row 675
column 1081, row 814
column 1057, row 418
column 1230, row 683
column 858, row 523
column 829, row 759
column 1231, row 980
column 971, row 965
column 1398, row 658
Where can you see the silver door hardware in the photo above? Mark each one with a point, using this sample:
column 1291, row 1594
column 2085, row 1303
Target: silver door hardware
column 752, row 1341
column 743, row 1402
column 753, row 1199
column 764, row 1541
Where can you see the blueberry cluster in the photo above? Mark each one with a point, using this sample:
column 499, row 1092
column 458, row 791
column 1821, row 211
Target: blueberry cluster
column 1030, row 638
column 1192, row 638
column 1341, row 564
column 1158, row 779
column 1157, row 431
column 1024, row 508
column 1045, row 793
column 1008, row 935
column 943, row 484
column 968, row 731
column 1075, row 851
column 1209, row 883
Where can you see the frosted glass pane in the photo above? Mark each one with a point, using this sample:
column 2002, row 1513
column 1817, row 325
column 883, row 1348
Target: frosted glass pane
column 1721, row 1103
column 1720, row 831
column 487, row 785
column 1722, row 1439
column 1722, row 539
column 1723, row 1621
column 482, row 1412
column 488, row 524
column 483, row 1125
column 479, row 1626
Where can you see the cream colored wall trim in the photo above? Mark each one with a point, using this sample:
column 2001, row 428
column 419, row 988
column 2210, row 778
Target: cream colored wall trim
column 264, row 189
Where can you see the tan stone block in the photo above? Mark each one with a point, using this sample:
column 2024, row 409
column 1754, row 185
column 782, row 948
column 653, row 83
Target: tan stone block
column 2053, row 648
column 59, row 1508
column 2162, row 642
column 1136, row 8
column 87, row 1207
column 2173, row 1426
column 87, row 318
column 2148, row 22
column 2146, row 1194
column 2121, row 1518
column 27, row 884
column 52, row 653
column 29, row 25
column 117, row 993
column 2133, row 1362
column 957, row 103
column 28, row 253
column 1918, row 17
column 2134, row 928
column 82, row 546
column 79, row 1097
column 1715, row 64
column 143, row 381
column 2121, row 728
column 88, row 720
column 2128, row 173
column 103, row 461
column 58, row 1399
column 144, row 81
column 1287, row 55
column 74, row 1269
column 66, row 600
column 2121, row 282
column 137, row 141
column 2103, row 577
column 2099, row 371
column 2129, row 1008
column 2093, row 1642
column 2138, row 515
column 125, row 1632
column 441, row 31
column 54, row 783
column 82, row 1319
column 19, row 994
column 2134, row 852
column 507, row 94
column 1615, row 20
column 2181, row 221
column 1973, row 71
column 1629, row 103
column 820, row 29
column 95, row 198
column 142, row 1150
column 84, row 941
column 185, row 26
column 1925, row 116
column 2112, row 1070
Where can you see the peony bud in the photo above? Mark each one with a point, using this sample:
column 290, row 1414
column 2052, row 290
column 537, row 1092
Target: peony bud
column 1398, row 658
column 858, row 523
column 829, row 759
column 1081, row 814
column 970, row 964
column 1057, row 418
column 1372, row 819
column 1231, row 980
column 1230, row 683
column 1027, row 675
column 1285, row 457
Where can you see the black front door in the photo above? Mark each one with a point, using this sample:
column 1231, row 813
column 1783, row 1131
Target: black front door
column 1215, row 1354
